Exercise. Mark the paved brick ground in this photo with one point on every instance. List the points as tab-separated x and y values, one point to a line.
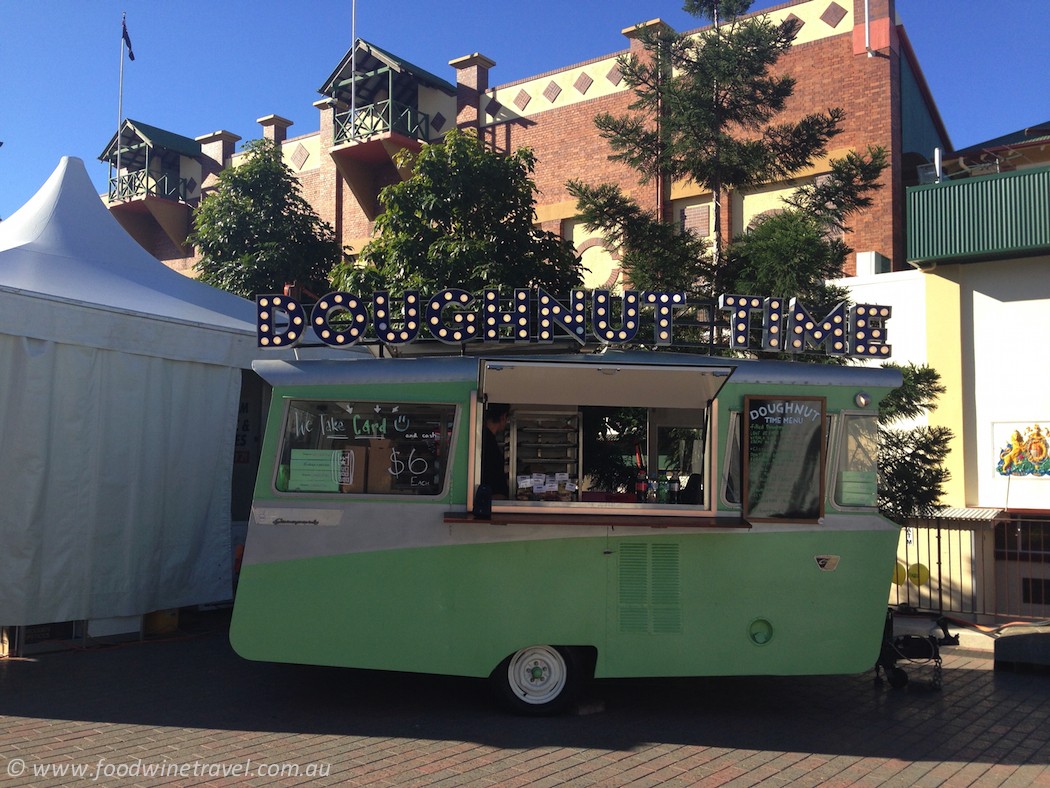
188	703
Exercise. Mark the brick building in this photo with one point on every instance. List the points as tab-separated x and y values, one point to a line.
851	54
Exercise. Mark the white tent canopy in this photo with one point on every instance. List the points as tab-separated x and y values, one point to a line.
118	405
63	247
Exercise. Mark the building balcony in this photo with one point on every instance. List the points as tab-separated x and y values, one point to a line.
140	184
383	117
144	203
366	145
983	218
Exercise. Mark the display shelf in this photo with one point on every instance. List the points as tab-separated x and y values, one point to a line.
545	444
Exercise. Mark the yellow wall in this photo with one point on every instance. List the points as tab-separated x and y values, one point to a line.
568	93
944	354
603	270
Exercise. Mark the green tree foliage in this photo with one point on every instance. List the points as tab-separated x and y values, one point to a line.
654	255
788	253
911	461
705	105
711	121
793	252
796	250
463	219
256	233
919	393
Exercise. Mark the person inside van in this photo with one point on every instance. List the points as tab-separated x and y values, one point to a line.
493	473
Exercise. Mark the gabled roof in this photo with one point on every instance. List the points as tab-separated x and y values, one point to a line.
1038	133
369	58
153	136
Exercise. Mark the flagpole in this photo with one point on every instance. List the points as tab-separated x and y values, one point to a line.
353	68
120	100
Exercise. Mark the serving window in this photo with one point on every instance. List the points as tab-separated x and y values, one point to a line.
600	435
347	447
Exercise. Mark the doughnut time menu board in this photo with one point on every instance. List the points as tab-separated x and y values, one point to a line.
784	440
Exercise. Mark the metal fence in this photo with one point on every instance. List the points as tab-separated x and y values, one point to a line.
381	118
988	571
142	183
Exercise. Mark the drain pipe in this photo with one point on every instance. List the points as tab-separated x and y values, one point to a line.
867	31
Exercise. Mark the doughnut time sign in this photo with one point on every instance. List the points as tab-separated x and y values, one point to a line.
457	317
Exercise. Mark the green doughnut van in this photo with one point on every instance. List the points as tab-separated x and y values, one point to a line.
668	515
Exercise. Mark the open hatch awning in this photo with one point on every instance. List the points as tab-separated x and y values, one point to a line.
608	384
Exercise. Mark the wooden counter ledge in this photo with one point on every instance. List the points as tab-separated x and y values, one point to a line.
603	520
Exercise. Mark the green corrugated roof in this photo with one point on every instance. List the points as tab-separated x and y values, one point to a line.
990	217
156	137
395	62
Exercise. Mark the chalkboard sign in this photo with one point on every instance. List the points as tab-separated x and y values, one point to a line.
784	458
372	448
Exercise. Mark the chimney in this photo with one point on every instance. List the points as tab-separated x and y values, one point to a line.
216	150
329	108
634	32
472	80
275	128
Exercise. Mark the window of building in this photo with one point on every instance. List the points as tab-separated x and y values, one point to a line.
1023	541
1035	590
696	218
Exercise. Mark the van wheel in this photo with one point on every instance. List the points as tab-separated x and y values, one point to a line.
538	680
898	678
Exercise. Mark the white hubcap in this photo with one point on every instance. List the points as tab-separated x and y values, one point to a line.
537	674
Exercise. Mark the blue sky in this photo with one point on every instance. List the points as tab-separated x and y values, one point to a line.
204	65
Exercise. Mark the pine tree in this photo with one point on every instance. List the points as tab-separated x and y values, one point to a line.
911	470
705	105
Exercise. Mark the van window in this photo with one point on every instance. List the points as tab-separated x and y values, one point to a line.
348	447
856	481
605	432
606	454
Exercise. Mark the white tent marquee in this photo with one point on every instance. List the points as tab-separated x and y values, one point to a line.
119	389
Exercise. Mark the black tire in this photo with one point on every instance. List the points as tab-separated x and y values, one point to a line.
898	678
539	680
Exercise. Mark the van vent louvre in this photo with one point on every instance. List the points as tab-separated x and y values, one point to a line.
650	590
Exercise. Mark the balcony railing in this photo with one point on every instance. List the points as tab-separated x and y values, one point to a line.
381	118
987	217
134	185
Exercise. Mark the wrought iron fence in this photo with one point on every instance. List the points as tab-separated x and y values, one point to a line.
142	183
986	571
381	118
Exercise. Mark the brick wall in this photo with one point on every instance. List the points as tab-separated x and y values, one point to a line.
830	72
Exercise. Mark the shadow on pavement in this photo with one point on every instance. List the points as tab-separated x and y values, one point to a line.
196	681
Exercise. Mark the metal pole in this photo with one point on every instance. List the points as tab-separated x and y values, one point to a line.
353	69
940	577
120	102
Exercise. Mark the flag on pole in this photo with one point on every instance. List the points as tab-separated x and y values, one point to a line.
127	39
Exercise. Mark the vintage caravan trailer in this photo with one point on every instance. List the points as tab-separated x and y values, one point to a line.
746	542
